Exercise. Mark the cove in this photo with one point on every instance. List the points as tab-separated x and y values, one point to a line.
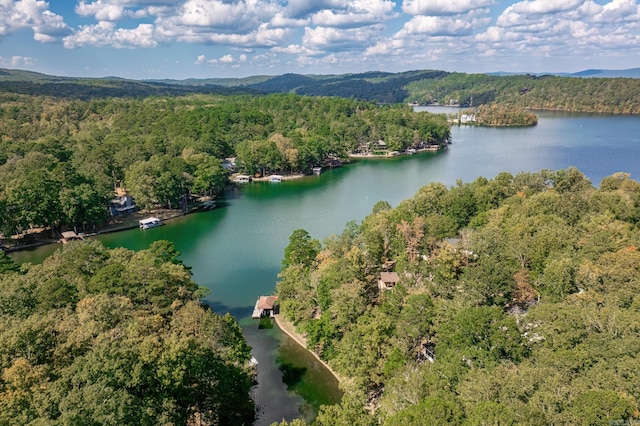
236	250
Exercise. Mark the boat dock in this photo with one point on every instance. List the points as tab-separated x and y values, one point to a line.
266	306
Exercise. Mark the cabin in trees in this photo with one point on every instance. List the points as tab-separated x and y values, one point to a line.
388	280
122	204
266	306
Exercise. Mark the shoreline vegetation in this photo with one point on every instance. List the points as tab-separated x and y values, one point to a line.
61	159
288	328
131	221
478	302
123	223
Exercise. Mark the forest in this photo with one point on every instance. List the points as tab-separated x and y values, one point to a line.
507	301
534	92
602	95
97	336
60	159
497	116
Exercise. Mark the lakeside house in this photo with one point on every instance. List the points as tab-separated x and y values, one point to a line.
122	204
229	164
388	280
266	306
468	118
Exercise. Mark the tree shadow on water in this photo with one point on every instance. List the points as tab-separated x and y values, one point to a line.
265	323
291	375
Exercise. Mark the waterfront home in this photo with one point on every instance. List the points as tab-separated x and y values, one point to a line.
150	222
388	280
468	118
122	204
229	164
266	306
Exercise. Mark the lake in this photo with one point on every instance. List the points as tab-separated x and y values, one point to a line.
236	250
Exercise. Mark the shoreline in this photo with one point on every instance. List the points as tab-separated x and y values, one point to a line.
288	328
434	148
128	222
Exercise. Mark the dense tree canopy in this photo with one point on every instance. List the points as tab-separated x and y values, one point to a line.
99	336
60	159
517	303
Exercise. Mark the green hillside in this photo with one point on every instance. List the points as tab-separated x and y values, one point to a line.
543	92
503	302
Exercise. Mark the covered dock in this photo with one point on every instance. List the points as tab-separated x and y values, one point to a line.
266	306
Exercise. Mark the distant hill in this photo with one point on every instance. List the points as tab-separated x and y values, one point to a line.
603	91
377	86
628	73
37	84
596	73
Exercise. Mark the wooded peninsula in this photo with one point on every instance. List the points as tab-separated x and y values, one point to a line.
496	302
60	159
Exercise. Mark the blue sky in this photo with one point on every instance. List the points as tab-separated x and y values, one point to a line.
145	39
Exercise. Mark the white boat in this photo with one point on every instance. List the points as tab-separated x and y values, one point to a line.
275	178
316	170
150	222
242	179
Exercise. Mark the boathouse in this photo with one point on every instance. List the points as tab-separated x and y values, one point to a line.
70	236
266	306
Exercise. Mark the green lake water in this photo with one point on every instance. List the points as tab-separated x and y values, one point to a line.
236	250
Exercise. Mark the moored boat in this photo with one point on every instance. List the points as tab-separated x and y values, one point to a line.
150	222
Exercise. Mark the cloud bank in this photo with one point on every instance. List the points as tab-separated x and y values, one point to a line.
371	33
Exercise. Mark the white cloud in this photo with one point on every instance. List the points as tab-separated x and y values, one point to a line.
443	7
303	8
540	7
279	20
333	39
210	14
357	13
616	11
114	10
16	61
97	35
35	15
141	36
263	36
101	11
277	34
106	34
387	47
442	26
227	59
